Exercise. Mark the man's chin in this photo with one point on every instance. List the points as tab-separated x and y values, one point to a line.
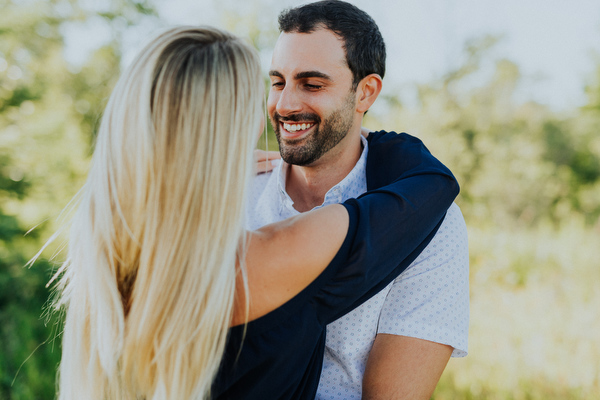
291	143
295	158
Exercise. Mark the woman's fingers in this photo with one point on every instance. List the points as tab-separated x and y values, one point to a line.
265	161
262	155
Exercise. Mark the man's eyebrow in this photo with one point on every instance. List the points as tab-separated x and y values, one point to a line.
312	74
303	75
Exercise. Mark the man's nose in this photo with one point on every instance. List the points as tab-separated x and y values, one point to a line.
288	102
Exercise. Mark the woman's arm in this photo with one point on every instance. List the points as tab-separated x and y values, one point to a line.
285	257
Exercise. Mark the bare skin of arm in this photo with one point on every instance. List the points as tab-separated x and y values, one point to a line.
285	257
403	368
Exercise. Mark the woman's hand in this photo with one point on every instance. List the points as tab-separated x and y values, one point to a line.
265	161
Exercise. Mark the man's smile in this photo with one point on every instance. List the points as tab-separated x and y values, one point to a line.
294	130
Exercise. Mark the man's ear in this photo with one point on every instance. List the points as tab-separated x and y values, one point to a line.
367	91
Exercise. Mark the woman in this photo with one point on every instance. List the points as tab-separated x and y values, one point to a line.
159	266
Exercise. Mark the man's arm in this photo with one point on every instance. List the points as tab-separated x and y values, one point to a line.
401	367
424	318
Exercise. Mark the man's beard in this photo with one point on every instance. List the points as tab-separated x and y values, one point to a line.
324	137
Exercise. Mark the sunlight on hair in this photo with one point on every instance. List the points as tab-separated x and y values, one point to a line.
148	285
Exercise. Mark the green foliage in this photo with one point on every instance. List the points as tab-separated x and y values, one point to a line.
22	295
12	183
28	356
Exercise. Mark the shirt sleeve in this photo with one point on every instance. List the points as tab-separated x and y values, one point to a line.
389	227
430	299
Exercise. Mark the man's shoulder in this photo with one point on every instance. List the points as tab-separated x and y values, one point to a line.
392	154
262	193
382	137
449	245
455	216
258	186
259	183
397	145
453	229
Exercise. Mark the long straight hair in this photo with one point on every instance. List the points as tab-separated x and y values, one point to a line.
148	285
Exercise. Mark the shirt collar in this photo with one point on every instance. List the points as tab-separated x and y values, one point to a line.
345	189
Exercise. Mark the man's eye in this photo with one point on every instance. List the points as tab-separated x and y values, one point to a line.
313	87
277	84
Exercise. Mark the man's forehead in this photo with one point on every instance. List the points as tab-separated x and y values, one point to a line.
320	50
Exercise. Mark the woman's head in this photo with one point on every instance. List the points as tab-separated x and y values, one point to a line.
150	276
184	114
176	137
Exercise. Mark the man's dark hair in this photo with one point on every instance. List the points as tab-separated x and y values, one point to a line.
363	43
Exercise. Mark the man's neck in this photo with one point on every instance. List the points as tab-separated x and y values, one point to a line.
308	185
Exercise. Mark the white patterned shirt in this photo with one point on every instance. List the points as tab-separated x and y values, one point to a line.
429	300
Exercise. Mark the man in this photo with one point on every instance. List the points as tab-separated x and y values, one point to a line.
326	72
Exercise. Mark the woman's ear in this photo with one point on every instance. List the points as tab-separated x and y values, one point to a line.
367	91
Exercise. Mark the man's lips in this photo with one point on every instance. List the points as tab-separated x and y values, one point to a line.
293	130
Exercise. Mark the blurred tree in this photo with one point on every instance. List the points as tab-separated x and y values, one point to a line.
518	164
587	124
49	110
592	90
22	294
572	153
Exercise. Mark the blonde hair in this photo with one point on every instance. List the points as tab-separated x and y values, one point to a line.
149	280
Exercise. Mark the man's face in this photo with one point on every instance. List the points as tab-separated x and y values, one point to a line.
311	102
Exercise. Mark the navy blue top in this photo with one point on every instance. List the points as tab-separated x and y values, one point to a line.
282	352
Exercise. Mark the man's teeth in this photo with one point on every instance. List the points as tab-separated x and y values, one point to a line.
296	127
